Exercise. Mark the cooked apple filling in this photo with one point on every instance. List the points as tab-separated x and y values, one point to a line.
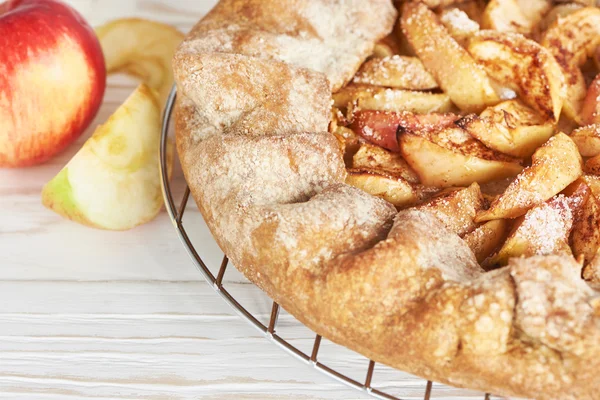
488	115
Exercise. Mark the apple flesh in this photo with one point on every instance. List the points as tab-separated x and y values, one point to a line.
52	79
141	48
113	182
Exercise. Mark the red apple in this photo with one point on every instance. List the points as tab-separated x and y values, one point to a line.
52	79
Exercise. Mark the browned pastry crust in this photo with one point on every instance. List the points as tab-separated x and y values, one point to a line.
254	80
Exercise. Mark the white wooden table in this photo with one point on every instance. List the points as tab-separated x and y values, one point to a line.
90	314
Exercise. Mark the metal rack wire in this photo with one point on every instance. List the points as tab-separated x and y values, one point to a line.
176	214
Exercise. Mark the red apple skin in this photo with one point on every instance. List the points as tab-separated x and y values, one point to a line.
381	127
52	79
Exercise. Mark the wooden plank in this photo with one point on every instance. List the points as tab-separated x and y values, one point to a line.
89	314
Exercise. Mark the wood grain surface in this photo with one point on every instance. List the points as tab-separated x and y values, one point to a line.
90	314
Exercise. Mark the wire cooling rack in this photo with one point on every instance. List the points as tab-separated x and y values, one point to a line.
268	330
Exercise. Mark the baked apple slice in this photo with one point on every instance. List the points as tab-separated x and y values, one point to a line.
571	40
587	139
544	230
385	99
534	10
522	65
510	128
387	47
487	238
399	72
558	11
585	237
592	165
458	24
591	272
113	181
596	58
349	142
505	16
451	157
393	189
590	111
473	9
453	68
457	209
554	166
369	156
380	127
382	99
337	119
141	48
593	182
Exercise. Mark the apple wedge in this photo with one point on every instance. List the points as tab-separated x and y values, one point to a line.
451	157
554	166
486	238
473	9
393	189
141	48
593	182
113	181
453	68
505	16
591	272
510	128
386	99
590	110
399	72
571	40
522	65
382	99
349	142
457	209
587	139
458	24
387	47
380	128
535	9
544	230
336	120
592	166
585	237
596	58
556	12
369	156
382	50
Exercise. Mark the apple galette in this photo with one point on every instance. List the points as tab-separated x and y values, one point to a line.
418	181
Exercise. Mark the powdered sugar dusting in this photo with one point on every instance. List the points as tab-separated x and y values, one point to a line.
299	166
546	228
439	248
238	94
554	303
458	23
395	71
329	37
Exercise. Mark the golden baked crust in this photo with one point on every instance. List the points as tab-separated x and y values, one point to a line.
254	81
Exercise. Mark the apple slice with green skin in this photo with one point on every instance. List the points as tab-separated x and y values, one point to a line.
113	181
